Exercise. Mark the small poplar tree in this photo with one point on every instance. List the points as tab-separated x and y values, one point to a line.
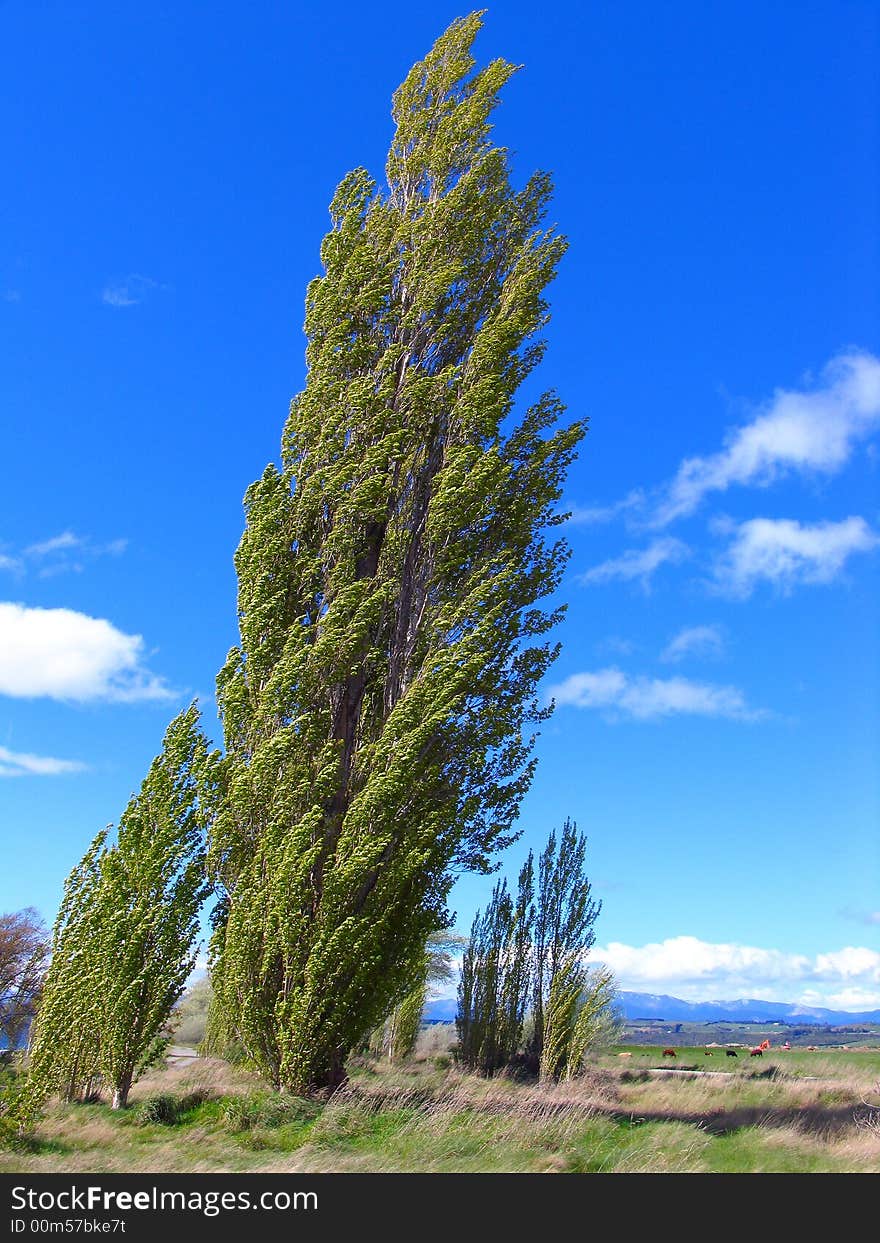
125	939
64	1047
565	916
379	710
528	960
495	978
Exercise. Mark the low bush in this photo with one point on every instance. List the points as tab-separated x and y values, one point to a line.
267	1111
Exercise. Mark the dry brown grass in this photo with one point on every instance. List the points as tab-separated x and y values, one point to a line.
429	1116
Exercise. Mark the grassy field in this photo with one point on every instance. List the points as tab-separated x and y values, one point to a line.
788	1112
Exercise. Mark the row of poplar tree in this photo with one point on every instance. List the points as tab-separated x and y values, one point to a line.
527	996
395	584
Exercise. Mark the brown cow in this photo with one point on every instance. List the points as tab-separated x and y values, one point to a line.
756	1052
669	1052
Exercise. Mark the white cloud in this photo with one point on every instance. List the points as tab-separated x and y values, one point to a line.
9	563
60	654
852	999
648	698
810	430
638	563
698	641
20	764
852	962
783	552
11	295
692	969
130	291
595	514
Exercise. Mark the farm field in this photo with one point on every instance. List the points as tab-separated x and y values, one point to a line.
789	1112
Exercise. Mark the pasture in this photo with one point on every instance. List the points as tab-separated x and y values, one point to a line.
787	1112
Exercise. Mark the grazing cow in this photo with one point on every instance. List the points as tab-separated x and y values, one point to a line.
669	1052
759	1052
624	1055
731	1052
708	1052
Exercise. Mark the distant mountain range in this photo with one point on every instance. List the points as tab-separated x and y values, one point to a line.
637	1006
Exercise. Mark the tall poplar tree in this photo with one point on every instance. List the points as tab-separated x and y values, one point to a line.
380	707
125	937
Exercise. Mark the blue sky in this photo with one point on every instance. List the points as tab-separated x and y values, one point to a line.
166	177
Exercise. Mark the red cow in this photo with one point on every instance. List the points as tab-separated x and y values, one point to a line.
759	1052
669	1052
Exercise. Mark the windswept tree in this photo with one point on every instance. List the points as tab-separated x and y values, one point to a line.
495	979
65	1045
526	967
380	708
125	938
565	917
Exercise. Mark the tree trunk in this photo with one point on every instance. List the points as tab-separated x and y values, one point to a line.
121	1091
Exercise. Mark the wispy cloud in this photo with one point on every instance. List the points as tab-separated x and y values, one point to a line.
61	654
687	967
593	515
614	645
21	764
785	553
704	642
809	430
61	554
644	699
638	564
130	291
11	295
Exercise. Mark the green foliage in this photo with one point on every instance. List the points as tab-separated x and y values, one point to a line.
525	970
379	710
394	1039
166	1109
494	985
123	943
163	1109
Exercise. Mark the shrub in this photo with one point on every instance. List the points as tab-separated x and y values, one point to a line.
246	1113
167	1109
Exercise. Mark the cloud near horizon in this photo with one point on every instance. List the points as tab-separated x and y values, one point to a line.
61	654
645	699
696	970
811	430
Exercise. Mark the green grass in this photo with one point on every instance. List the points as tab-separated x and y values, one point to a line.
786	1113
